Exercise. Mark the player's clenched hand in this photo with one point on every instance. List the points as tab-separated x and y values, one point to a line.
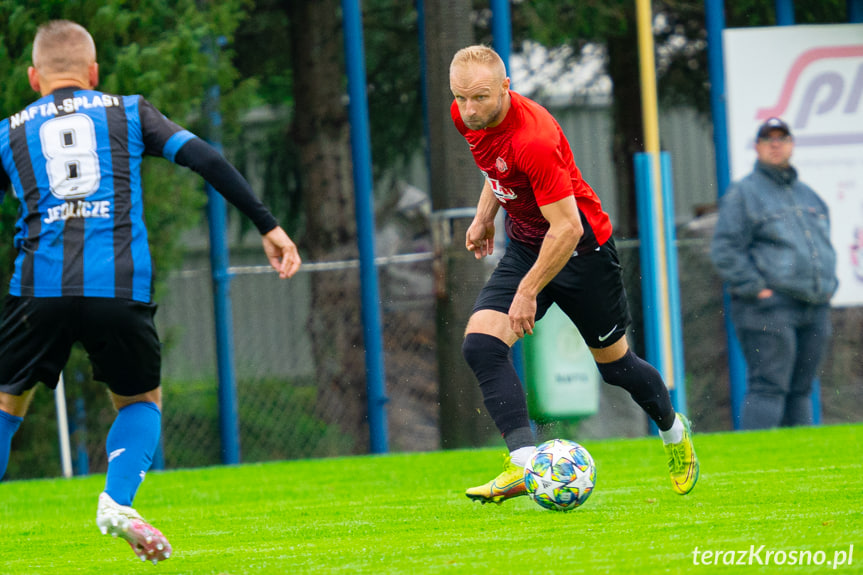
479	238
282	252
522	314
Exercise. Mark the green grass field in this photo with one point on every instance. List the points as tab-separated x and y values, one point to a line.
796	492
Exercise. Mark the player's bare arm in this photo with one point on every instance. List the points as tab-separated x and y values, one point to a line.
479	238
560	241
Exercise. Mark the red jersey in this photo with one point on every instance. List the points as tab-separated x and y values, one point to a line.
528	163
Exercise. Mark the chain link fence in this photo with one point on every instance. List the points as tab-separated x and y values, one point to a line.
300	367
285	411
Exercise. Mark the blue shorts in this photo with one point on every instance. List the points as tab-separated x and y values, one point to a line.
119	335
589	290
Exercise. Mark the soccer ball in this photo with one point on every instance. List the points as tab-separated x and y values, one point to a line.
560	475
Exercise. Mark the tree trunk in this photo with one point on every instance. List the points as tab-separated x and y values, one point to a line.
623	66
321	131
455	183
628	122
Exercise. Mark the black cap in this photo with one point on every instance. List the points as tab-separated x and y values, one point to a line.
772	124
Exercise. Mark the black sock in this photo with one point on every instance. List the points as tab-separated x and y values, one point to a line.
644	384
502	393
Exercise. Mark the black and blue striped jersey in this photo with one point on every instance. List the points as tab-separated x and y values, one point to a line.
73	159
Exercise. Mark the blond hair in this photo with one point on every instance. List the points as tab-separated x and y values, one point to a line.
62	46
479	55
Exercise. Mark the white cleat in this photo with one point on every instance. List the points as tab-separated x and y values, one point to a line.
146	541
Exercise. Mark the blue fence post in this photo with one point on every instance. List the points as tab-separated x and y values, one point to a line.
217	217
82	459
362	168
229	426
649	255
647	250
784	12
501	30
678	392
715	17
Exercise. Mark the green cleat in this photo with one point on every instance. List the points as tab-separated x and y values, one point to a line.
510	483
682	461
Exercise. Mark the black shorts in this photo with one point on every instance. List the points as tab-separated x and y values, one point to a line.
589	290
37	334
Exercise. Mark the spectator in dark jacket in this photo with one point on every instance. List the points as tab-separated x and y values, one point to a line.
772	248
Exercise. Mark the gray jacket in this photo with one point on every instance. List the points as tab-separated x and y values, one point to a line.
774	232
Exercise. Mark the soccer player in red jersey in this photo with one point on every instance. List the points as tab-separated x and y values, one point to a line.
560	251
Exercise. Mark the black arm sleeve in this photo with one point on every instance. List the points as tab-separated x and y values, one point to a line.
205	160
4	182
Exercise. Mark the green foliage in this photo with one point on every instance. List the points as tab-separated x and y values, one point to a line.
679	28
394	84
558	22
173	198
191	411
263	429
791	489
35	448
263	56
263	51
190	420
153	48
8	216
741	13
157	49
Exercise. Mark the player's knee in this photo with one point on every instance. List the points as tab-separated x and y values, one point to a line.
482	351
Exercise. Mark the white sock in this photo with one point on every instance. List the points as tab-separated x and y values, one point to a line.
673	435
521	455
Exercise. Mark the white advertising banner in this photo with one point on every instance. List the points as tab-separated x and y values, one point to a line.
811	77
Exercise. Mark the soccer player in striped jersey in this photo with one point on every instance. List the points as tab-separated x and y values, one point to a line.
83	271
560	252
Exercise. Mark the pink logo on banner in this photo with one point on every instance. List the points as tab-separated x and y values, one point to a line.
835	97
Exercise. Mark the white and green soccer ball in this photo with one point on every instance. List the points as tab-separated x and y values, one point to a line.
560	475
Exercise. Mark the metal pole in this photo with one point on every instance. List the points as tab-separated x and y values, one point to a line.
362	169
82	459
784	12
501	30
650	111
217	216
678	392
63	427
649	256
855	11
715	17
